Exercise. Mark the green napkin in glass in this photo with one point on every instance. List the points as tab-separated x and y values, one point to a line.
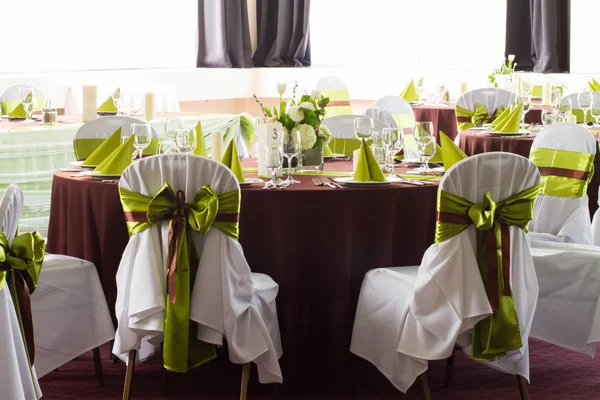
594	85
109	104
200	149
512	123
104	151
501	118
118	160
409	93
327	151
232	160
450	151
367	168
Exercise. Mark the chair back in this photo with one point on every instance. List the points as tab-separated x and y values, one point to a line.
11	206
338	93
400	109
490	98
562	213
576	109
382	115
342	130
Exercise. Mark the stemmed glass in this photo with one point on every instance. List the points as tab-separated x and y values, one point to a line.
363	127
171	126
440	93
273	161
378	149
389	136
291	148
185	140
419	89
526	108
397	143
585	102
564	109
595	110
118	98
142	137
28	100
556	99
423	134
548	117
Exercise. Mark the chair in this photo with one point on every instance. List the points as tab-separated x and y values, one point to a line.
226	300
342	130
576	110
339	96
17	379
564	154
91	134
11	98
400	109
70	313
381	115
492	99
408	315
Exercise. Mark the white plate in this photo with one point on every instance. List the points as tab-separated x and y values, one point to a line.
80	164
349	180
97	175
506	133
251	181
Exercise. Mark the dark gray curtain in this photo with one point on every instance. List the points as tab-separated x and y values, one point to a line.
538	34
223	34
283	34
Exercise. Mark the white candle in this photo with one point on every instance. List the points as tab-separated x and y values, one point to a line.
216	150
547	94
355	155
90	105
149	106
572	118
463	87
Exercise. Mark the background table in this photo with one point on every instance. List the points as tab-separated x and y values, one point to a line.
31	152
317	243
476	142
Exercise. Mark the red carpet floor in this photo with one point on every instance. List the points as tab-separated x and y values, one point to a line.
555	373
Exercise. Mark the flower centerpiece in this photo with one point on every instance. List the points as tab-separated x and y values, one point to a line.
506	69
306	116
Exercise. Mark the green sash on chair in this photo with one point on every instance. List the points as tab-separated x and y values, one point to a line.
182	351
339	102
467	119
563	173
499	333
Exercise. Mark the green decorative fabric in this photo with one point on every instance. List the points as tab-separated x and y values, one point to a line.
103	151
467	119
451	153
512	122
109	104
344	146
594	85
339	102
15	109
409	93
118	160
499	333
84	147
537	90
327	151
181	350
563	173
501	118
367	168
232	160
578	113
201	149
404	120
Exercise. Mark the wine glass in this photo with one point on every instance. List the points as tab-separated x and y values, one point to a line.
28	100
273	161
423	134
291	148
185	140
584	99
419	89
526	88
440	88
171	126
548	117
387	136
118	98
595	110
363	127
142	137
564	109
556	99
396	147
526	108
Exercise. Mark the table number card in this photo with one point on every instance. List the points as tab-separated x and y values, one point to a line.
267	134
90	106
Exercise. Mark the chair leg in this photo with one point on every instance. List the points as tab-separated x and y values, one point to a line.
98	366
425	383
449	371
245	379
129	375
523	387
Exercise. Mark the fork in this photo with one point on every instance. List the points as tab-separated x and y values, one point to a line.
317	182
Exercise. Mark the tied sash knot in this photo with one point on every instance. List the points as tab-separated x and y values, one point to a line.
467	119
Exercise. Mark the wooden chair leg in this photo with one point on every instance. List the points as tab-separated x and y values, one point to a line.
449	374
245	379
129	375
523	387
98	366
425	383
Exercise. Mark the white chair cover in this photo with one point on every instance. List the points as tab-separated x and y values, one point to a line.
227	299
400	109
568	308
406	316
381	115
101	128
491	98
17	380
575	100
342	126
563	219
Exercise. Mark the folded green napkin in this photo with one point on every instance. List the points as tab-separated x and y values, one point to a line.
104	151
367	168
200	149
501	118
15	109
118	160
409	93
438	157
109	104
594	85
512	124
450	151
232	160
327	151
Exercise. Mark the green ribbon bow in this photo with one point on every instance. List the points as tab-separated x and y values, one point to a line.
563	173
20	266
499	333
182	351
467	119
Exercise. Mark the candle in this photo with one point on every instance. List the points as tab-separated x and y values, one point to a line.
572	118
149	106
463	87
216	150
90	105
355	155
547	94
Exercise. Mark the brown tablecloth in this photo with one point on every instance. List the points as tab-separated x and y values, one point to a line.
444	117
472	142
317	243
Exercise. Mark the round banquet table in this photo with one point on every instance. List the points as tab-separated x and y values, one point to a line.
476	142
317	243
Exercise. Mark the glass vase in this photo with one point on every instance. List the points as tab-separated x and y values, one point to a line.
312	159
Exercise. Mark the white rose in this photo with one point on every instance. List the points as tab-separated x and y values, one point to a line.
281	86
511	57
295	113
315	95
307	105
308	137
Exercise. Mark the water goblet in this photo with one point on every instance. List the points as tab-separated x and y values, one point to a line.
363	127
28	100
273	161
584	99
291	148
142	137
185	140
